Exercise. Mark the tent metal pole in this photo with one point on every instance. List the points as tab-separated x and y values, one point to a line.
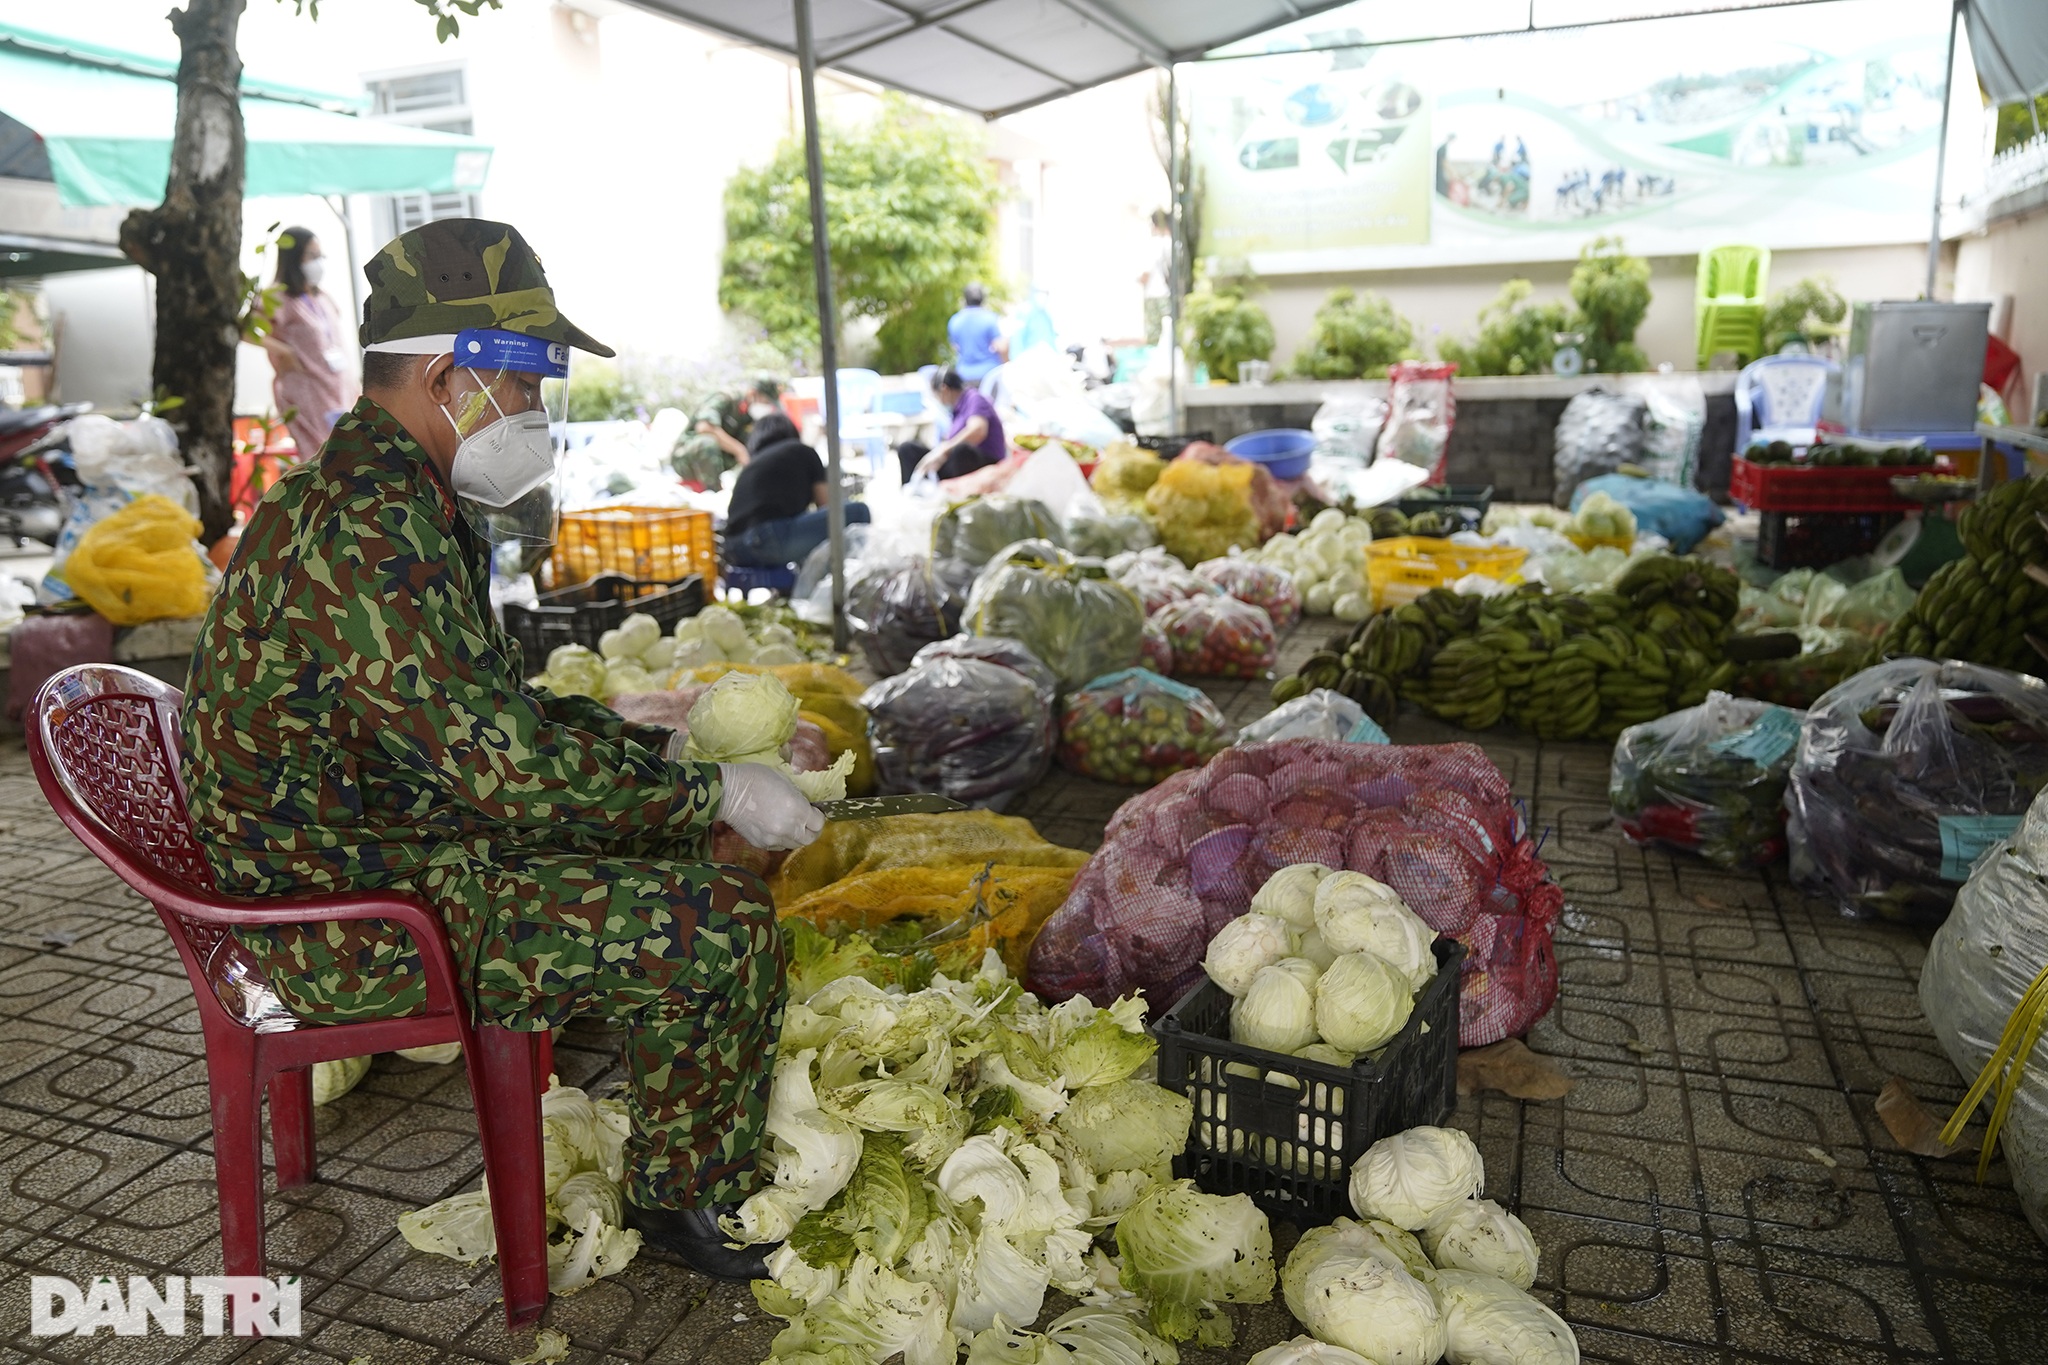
1955	17
1171	338
338	205
828	340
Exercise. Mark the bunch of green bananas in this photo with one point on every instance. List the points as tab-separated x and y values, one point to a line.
1563	666
1991	606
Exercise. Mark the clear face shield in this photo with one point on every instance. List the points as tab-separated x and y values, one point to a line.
509	410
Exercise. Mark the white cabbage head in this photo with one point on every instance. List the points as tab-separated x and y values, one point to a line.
1277	1012
1480	1235
1315	948
1371	1304
1362	1001
1488	1321
1244	946
1290	894
1411	1177
1307	1351
1356	914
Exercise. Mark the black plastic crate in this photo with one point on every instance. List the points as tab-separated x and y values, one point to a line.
1810	540
579	614
1463	502
1167	447
1291	1148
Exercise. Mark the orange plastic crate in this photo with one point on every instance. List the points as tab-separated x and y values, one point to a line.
661	544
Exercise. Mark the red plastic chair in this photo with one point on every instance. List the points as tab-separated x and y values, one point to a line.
104	742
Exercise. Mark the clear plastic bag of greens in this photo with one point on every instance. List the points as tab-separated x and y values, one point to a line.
976	531
1905	773
1092	530
1138	728
1065	610
966	728
1869	608
1709	780
1158	578
1979	966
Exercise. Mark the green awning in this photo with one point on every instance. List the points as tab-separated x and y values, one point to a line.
104	120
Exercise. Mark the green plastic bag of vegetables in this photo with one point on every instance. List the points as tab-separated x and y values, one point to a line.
979	529
1065	610
1709	779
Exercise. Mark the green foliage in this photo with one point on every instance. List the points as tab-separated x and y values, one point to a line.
910	208
596	393
1809	311
1612	290
2017	124
11	304
1225	329
1355	336
443	12
1515	336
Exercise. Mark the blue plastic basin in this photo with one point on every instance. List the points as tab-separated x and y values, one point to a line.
1284	451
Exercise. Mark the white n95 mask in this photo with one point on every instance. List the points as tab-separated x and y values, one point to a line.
503	477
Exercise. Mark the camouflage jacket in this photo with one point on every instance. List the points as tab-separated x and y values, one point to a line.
355	714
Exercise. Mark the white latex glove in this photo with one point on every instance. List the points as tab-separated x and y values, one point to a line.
765	808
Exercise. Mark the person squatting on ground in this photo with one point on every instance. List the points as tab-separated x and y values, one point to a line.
356	718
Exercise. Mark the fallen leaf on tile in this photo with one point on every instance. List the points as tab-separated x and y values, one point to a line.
59	938
1641	1048
1822	1157
549	1348
1912	1125
1707	902
1511	1068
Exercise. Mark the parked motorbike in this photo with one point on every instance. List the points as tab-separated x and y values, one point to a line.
36	473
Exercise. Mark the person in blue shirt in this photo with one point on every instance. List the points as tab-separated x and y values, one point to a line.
974	441
977	336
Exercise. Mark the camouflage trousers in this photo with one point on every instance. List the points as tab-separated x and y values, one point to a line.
685	955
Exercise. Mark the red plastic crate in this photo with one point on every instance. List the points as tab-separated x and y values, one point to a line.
1804	488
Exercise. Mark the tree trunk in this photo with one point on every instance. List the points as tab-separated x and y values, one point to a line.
192	244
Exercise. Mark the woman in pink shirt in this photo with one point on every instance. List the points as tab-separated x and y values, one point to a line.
308	345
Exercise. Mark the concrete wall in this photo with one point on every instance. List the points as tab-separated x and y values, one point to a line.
2010	257
1447	302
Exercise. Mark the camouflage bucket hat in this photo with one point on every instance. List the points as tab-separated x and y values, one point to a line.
456	273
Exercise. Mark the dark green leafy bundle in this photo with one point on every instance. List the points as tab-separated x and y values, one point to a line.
1515	336
1612	290
1355	337
1225	329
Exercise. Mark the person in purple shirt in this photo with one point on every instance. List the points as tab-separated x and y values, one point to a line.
973	441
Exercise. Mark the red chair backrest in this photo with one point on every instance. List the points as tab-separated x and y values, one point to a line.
105	743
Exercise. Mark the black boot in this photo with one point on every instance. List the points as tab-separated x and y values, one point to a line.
693	1237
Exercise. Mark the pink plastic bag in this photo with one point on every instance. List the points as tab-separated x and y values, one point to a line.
1435	822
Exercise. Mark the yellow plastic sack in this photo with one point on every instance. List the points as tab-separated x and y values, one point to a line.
1202	510
986	880
827	696
140	564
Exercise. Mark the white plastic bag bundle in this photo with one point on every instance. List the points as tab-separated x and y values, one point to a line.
1319	714
1980	963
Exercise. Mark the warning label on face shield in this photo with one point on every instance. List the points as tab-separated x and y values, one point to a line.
488	348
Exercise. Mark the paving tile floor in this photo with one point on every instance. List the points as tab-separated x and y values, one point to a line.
1717	1187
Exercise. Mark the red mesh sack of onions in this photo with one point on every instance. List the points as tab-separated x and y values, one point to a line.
1262	585
1218	637
1434	822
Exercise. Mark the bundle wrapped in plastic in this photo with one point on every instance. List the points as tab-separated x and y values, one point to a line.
1218	637
1156	654
1709	779
1158	578
1434	822
1979	968
993	649
1067	611
1318	714
1205	510
1095	531
965	728
976	531
1123	475
975	880
1826	657
1265	587
1137	728
1904	774
897	607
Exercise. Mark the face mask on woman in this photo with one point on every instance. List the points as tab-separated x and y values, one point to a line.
314	270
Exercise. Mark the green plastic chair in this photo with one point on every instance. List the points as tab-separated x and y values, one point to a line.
1728	301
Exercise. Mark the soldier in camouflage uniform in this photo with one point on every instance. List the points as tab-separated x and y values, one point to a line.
356	718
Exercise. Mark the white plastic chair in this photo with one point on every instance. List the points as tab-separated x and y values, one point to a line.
1779	398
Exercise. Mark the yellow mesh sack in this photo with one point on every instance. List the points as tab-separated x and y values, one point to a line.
140	564
977	908
985	881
